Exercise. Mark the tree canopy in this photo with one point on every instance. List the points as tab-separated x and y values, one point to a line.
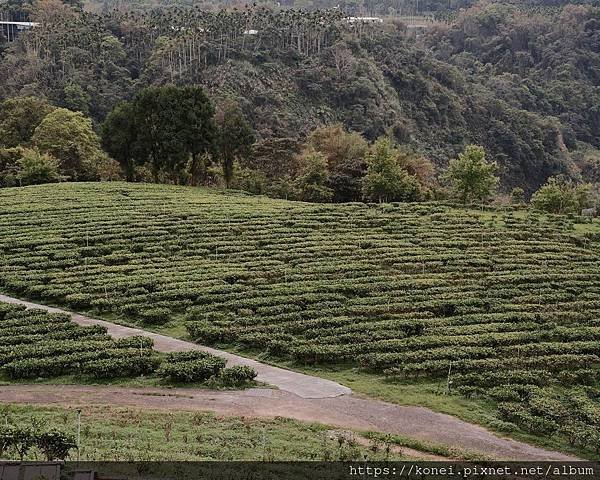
386	180
518	78
69	137
165	127
235	138
19	117
472	177
559	195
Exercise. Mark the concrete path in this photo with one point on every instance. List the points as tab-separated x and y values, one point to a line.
347	411
299	384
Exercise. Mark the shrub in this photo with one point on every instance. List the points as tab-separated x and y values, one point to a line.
179	357
155	316
36	168
561	196
203	332
249	180
505	393
54	444
517	196
188	371
122	367
79	300
18	439
238	375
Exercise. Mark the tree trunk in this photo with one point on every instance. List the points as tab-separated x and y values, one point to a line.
228	170
129	171
197	170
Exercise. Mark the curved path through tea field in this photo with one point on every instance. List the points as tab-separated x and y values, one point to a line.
300	396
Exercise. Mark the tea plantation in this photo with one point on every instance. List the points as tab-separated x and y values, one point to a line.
34	343
508	301
37	344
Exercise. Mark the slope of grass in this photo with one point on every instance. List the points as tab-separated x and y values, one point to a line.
130	434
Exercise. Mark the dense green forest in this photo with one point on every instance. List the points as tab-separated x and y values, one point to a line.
522	82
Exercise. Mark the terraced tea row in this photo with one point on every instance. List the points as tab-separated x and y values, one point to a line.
409	289
35	343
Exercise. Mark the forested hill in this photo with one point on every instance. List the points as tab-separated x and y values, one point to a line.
522	83
354	7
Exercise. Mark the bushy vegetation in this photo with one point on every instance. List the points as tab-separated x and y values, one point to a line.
559	195
118	434
520	83
40	143
238	375
191	366
473	178
20	441
35	343
499	298
197	366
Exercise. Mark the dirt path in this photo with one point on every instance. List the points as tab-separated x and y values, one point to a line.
345	412
299	396
302	385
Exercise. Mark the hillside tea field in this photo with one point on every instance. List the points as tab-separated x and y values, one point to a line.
35	343
510	301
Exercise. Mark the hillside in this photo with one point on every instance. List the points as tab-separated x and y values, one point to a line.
381	7
505	302
524	84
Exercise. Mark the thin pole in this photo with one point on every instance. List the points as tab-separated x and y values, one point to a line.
78	432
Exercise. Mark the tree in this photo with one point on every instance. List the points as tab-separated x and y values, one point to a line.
168	126
416	165
471	176
311	185
517	196
77	4
386	180
9	166
69	137
559	195
76	98
3	42
158	138
235	138
346	154
19	117
55	445
119	137
249	180
36	168
197	128
276	157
